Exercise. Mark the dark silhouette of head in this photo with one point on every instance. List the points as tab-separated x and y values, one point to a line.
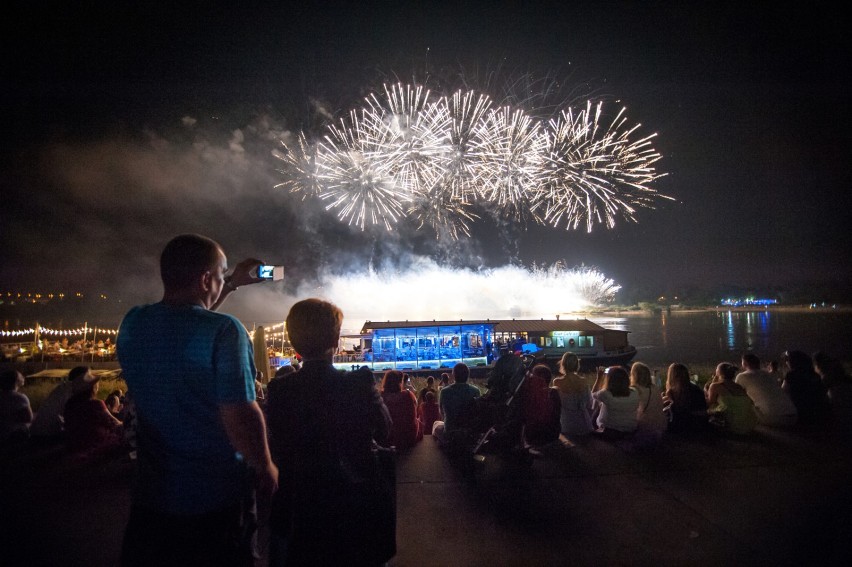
185	258
392	381
461	373
313	326
618	381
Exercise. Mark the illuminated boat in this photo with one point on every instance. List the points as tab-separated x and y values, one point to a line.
436	346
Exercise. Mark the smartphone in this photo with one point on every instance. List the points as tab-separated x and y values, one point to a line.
273	273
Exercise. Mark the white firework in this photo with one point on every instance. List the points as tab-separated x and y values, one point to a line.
509	146
355	178
405	153
592	174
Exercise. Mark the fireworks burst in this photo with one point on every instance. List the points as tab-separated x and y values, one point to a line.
407	152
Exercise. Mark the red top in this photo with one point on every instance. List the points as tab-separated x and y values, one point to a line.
541	409
428	415
405	430
89	424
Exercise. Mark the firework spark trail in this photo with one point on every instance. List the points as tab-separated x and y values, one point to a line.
594	174
433	159
300	168
355	176
467	110
510	146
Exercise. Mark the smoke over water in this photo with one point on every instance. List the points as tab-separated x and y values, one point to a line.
425	291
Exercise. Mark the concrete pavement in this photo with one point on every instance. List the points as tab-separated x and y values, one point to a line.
779	498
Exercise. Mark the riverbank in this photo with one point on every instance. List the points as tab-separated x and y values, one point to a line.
630	312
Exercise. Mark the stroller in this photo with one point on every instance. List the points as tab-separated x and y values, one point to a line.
518	408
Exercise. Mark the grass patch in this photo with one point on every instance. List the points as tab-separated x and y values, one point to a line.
37	389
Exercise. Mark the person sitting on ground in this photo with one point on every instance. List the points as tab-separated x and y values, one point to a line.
542	407
838	385
47	425
90	427
402	405
445	381
428	412
729	406
15	411
575	398
407	385
456	403
650	417
805	389
773	406
430	386
283	371
113	404
617	402
684	402
773	368
332	507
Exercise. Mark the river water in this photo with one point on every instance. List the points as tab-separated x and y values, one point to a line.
715	336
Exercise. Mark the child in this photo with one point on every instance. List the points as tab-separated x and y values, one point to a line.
428	412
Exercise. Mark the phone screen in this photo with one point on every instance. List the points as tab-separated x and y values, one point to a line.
265	272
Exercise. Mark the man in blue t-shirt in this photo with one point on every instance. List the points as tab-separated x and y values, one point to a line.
190	375
456	403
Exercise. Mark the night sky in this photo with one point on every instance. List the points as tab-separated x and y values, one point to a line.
127	125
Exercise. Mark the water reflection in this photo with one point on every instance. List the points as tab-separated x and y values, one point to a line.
732	337
714	336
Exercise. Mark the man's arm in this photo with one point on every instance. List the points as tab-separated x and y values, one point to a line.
246	429
242	275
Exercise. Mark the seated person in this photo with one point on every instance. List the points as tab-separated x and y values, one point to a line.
457	406
283	371
838	385
805	388
617	401
15	411
430	386
47	425
114	405
651	419
542	407
402	405
428	412
684	402
729	406
90	427
575	397
772	405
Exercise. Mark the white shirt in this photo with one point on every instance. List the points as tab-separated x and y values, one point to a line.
617	413
767	395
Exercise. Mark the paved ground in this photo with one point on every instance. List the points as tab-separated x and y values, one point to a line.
776	498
